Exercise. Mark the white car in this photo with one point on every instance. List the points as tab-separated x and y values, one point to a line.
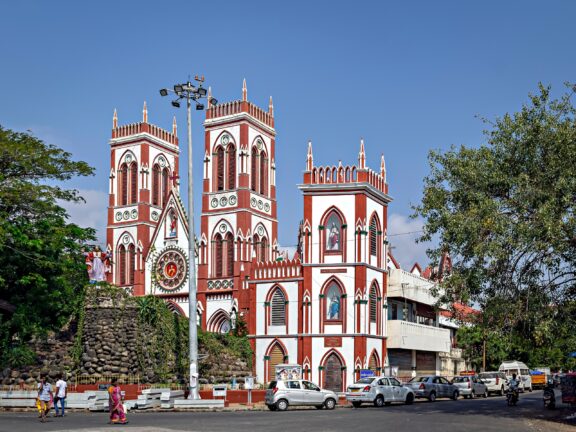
380	391
495	381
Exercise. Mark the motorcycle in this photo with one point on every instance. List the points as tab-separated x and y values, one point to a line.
511	396
548	396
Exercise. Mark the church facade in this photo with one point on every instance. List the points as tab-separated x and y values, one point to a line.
325	308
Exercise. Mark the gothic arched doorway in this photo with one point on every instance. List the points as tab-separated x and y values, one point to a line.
333	373
276	357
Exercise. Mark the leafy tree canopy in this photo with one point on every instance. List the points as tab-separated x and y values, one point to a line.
42	270
505	211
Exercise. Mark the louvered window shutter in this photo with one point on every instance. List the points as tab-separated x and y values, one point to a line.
278	309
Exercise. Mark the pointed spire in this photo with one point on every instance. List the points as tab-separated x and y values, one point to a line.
271	107
362	155
383	167
115	120
144	114
244	91
310	158
174	126
209	97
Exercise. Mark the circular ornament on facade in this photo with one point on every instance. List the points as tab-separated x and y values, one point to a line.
260	204
260	230
128	158
126	215
134	214
259	144
253	202
223	228
267	207
126	239
225	139
223	201
162	162
232	200
119	216
171	268
154	216
214	202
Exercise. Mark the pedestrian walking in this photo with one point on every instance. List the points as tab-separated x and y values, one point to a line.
115	402
44	398
61	394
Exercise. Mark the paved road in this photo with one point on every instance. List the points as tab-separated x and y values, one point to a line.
487	415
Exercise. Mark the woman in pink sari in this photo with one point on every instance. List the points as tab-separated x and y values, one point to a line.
117	414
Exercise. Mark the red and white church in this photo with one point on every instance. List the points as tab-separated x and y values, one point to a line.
324	308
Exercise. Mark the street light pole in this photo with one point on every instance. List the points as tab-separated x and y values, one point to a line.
191	93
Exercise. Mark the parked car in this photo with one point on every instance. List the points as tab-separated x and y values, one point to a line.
495	381
470	386
380	391
432	387
282	394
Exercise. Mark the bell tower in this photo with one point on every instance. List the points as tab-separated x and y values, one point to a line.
239	223
143	171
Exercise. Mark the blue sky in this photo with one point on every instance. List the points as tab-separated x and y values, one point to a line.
407	76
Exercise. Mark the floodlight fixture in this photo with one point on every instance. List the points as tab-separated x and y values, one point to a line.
213	101
201	91
164	92
176	104
199	107
178	88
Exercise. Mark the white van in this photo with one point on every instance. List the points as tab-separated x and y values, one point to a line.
522	373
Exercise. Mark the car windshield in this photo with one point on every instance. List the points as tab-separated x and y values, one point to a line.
272	384
419	379
460	379
365	381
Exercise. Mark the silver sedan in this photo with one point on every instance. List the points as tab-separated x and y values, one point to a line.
432	387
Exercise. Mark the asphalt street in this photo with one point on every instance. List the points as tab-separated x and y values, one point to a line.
490	414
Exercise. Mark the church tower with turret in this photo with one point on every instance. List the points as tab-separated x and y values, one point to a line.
239	223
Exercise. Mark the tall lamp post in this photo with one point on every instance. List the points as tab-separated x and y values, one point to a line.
191	93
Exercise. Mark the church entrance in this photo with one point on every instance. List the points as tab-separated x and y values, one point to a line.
333	373
276	358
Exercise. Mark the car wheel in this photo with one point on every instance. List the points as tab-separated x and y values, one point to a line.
455	395
485	394
409	399
356	404
379	401
272	407
432	397
330	404
282	405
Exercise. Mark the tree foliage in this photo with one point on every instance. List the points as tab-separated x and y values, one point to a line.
42	271
505	211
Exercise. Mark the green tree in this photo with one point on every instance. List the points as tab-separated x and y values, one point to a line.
41	266
506	212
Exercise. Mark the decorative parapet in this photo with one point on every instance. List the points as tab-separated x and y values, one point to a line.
289	269
140	128
238	107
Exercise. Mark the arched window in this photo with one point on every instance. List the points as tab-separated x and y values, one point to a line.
333	233
156	194
254	169
256	246
218	256
122	264
123	184
133	183
373	300
165	186
276	355
333	299
373	363
229	255
374	227
263	249
219	168
263	174
231	167
278	308
131	263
